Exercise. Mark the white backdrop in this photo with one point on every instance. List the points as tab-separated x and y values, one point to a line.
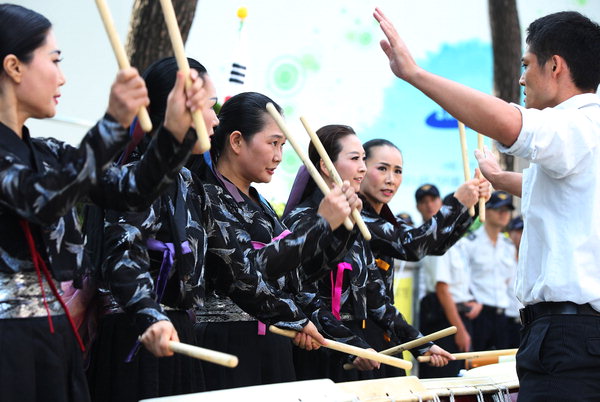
320	59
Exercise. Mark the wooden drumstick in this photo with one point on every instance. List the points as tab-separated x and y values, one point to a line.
334	175
351	350
122	60
413	344
208	355
481	199
184	67
420	341
484	361
312	170
465	158
473	355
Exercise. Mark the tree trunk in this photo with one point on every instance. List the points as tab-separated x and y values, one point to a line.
148	39
506	43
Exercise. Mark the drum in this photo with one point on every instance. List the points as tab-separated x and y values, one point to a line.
494	382
311	390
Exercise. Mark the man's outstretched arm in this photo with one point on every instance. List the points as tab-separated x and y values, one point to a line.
483	113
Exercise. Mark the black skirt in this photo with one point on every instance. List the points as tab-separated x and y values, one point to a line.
311	365
37	365
375	336
263	359
112	379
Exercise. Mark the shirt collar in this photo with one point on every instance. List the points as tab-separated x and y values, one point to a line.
580	101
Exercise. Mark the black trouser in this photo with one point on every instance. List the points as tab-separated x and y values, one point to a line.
433	319
490	329
559	359
513	332
374	336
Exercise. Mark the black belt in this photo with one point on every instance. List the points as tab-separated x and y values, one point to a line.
493	309
534	311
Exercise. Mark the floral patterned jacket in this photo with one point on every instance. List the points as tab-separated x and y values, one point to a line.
361	286
253	226
392	238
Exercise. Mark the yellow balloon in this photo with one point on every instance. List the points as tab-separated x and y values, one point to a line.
242	12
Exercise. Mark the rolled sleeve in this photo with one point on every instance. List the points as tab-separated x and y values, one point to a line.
558	139
522	146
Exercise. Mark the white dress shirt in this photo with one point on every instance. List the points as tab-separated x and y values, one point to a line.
514	305
559	258
429	268
453	269
491	267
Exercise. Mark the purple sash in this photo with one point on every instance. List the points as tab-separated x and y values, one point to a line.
257	245
168	250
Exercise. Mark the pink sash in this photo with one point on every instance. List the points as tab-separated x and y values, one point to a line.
336	288
257	245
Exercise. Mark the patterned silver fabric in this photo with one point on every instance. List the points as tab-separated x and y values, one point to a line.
363	290
221	309
43	179
131	271
393	238
235	271
21	296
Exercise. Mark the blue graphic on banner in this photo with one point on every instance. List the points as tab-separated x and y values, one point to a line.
427	135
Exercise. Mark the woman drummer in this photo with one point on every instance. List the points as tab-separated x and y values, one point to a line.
152	270
350	288
247	148
394	239
42	180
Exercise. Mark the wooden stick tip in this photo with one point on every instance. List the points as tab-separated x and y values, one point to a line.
233	362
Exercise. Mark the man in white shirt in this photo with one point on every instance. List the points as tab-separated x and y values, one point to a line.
558	278
429	203
447	298
491	260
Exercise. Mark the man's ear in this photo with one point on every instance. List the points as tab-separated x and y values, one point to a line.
235	142
13	67
559	66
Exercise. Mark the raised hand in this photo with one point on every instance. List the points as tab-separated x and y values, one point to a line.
401	61
180	102
127	95
335	206
468	193
485	188
353	199
488	164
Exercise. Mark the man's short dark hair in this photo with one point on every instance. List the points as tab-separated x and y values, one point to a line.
573	37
